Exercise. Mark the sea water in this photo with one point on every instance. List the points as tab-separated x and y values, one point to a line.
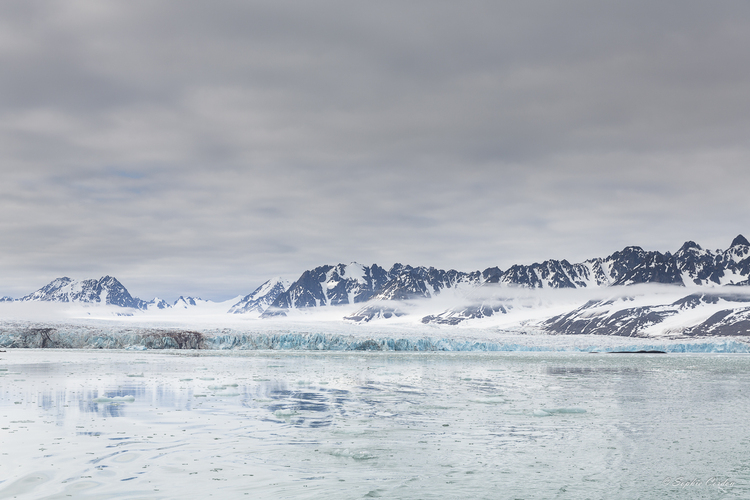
267	424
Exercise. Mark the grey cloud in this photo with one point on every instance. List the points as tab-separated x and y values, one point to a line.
207	146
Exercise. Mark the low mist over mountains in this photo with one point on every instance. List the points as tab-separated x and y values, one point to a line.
375	293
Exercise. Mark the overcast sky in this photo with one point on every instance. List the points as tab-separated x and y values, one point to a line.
202	147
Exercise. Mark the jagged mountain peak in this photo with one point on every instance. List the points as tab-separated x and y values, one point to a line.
60	281
353	283
105	290
632	249
739	240
157	303
405	285
331	285
184	302
262	297
689	245
492	274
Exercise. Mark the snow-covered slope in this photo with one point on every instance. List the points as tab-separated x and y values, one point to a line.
330	286
106	290
157	304
703	313
261	298
189	302
698	292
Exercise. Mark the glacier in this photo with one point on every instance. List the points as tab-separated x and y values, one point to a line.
320	338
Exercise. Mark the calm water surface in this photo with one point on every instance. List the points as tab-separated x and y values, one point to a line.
109	424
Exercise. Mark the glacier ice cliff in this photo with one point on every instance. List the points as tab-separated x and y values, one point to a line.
69	336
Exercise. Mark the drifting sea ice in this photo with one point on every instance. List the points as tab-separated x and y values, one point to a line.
362	425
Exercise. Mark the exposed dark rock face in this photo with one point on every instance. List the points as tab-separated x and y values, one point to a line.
730	322
352	284
374	311
405	286
694	300
740	241
655	268
158	303
332	285
609	317
621	263
548	274
185	302
492	275
625	322
456	316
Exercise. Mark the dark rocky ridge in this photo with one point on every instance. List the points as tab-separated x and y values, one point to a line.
326	285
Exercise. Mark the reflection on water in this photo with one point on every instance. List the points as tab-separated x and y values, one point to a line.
393	425
589	370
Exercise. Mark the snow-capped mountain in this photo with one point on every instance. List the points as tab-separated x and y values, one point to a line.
106	290
188	302
157	304
332	285
690	266
706	294
457	315
261	298
354	283
409	283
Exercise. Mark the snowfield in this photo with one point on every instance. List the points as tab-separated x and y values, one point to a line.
533	320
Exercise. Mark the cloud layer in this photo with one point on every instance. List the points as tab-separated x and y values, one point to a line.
200	148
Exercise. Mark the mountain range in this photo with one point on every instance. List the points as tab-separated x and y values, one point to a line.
378	293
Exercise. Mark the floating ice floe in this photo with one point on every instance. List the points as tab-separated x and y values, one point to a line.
115	399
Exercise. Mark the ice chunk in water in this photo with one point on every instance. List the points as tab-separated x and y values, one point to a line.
284	413
541	413
564	410
358	455
116	399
